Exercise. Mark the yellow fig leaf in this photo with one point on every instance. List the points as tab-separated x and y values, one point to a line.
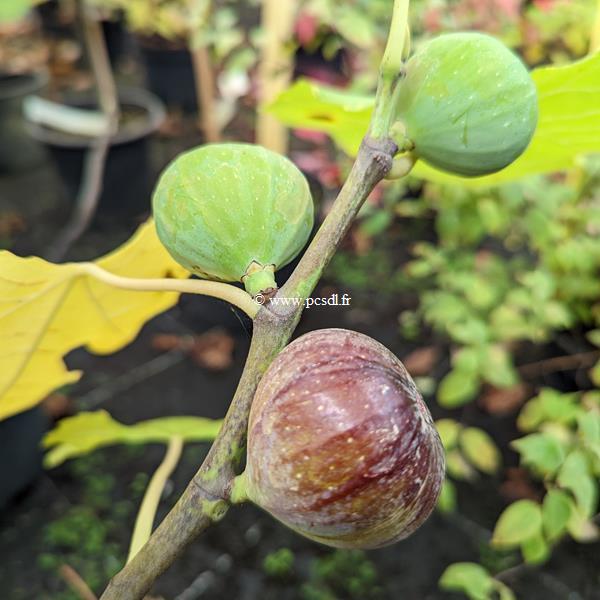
342	114
74	436
47	310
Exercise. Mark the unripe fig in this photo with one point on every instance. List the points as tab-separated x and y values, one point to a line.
341	446
468	104
233	212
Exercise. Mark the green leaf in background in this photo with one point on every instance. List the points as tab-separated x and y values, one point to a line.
541	451
457	388
458	467
343	115
548	405
497	367
448	430
447	500
353	25
556	512
588	426
480	450
535	550
470	331
582	528
520	521
569	121
575	476
504	592
376	223
470	578
595	374
87	431
467	359
594	337
14	10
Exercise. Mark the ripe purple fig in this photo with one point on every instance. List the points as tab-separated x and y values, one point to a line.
341	446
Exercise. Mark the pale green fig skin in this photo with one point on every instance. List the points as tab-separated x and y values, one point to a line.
219	208
468	104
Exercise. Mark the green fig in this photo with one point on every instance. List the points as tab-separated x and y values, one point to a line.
467	103
233	212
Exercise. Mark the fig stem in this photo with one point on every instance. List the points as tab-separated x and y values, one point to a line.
215	289
215	482
259	280
239	491
390	72
397	40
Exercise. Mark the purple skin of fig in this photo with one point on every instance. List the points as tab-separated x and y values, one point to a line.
341	446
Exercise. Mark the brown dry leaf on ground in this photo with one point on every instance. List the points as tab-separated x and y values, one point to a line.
165	342
214	350
173	126
58	405
420	362
211	350
22	49
518	486
502	401
11	223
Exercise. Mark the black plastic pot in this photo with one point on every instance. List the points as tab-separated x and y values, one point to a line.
169	72
128	177
54	19
20	438
18	151
116	39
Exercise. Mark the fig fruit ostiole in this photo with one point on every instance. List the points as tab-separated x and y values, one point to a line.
233	212
341	446
468	104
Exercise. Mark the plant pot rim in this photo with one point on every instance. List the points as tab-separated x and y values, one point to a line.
15	85
155	115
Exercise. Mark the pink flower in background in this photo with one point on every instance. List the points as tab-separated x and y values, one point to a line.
432	19
545	5
485	15
319	163
510	8
306	28
317	137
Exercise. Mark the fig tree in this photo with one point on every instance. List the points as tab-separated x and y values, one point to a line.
341	446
